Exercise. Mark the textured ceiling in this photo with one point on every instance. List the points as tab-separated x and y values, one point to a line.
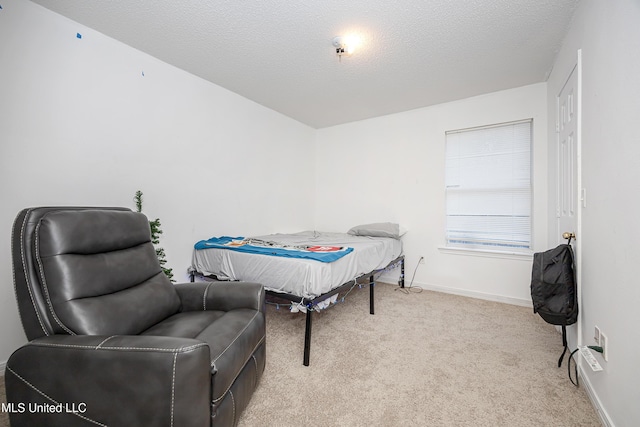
279	53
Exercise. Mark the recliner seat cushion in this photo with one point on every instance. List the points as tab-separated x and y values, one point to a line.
233	336
99	273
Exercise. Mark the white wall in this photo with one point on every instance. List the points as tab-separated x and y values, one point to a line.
609	36
391	168
81	125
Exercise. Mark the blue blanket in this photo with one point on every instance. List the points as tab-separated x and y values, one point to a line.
224	242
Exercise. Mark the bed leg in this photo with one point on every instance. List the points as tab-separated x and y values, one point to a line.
307	336
401	279
371	294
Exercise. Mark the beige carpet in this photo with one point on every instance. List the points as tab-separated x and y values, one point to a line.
424	359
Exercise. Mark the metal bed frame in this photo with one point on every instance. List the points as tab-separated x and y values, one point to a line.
309	303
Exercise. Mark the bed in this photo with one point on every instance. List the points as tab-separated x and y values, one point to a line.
309	269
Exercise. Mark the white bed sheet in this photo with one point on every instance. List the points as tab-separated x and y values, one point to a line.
301	277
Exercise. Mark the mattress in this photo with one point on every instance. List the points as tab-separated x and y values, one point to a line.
302	277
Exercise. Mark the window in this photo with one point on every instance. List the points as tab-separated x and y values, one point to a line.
488	187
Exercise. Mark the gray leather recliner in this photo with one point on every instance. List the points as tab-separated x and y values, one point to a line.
112	342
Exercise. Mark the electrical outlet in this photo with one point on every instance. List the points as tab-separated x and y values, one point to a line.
421	261
596	335
604	342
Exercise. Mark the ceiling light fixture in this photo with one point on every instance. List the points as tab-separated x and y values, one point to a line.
345	45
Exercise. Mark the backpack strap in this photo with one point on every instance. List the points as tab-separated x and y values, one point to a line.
564	343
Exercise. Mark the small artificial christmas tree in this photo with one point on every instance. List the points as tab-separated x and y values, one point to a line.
155	237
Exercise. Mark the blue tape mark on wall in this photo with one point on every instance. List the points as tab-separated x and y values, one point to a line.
78	35
143	74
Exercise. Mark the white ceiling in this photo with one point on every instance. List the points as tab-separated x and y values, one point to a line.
279	53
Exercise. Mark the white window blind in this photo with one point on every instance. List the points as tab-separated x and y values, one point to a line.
488	187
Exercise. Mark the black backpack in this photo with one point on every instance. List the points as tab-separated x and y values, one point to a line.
553	288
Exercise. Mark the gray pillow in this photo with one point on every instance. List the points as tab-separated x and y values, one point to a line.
379	229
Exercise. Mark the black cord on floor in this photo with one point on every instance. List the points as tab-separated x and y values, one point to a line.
577	382
409	289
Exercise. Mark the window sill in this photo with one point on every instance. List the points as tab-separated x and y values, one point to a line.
524	256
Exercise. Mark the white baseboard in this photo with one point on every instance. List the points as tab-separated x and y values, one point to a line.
476	294
595	401
392	277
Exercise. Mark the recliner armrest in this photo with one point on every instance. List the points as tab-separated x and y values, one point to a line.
223	296
118	380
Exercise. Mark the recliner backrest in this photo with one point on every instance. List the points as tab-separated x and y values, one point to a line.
89	271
